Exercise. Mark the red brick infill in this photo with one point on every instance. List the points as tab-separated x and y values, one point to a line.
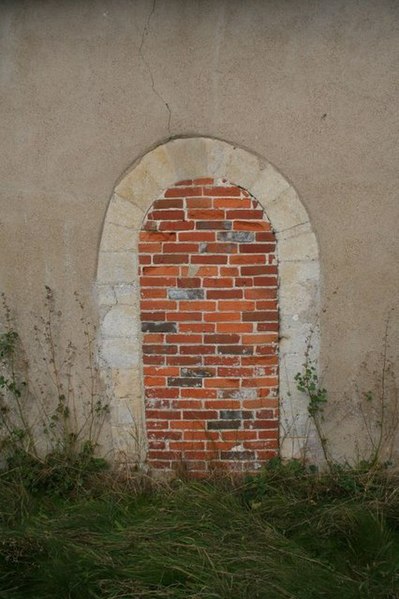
208	276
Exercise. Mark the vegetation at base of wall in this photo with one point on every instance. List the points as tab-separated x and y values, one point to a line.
285	533
70	529
379	410
50	422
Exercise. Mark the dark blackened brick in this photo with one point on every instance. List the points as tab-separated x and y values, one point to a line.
158	327
159	349
213	224
235	414
215	425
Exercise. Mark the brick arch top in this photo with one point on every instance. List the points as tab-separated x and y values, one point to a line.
117	287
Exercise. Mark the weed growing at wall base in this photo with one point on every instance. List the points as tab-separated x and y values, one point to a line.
49	425
379	410
308	383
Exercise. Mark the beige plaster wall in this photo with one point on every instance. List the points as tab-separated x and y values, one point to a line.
311	86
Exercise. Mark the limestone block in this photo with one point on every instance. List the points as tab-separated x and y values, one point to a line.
286	211
117	238
268	186
120	352
242	168
294	415
296	339
293	448
132	436
105	294
124	213
302	310
127	411
161	167
189	158
139	188
294	334
297	244
120	321
117	267
294	418
289	395
124	442
123	294
292	363
121	413
218	153
128	294
126	383
299	287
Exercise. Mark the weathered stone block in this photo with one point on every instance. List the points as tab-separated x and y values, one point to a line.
185	294
117	267
236	236
120	321
184	382
120	352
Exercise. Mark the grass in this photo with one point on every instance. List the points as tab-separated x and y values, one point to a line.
286	533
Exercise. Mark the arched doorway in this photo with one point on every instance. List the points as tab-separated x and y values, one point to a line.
118	285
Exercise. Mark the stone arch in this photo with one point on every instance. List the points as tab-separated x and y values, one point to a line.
117	288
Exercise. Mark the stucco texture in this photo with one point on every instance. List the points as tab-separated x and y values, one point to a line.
311	86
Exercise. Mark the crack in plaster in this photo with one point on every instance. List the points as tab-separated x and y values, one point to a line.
216	71
305	222
148	67
111	222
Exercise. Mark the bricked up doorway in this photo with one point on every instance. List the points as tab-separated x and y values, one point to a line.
209	314
118	289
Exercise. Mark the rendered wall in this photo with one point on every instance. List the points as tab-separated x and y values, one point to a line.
88	88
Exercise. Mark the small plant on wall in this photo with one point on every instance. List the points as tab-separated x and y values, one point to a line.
50	421
308	382
377	409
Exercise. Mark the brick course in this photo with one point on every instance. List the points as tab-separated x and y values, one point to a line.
209	317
